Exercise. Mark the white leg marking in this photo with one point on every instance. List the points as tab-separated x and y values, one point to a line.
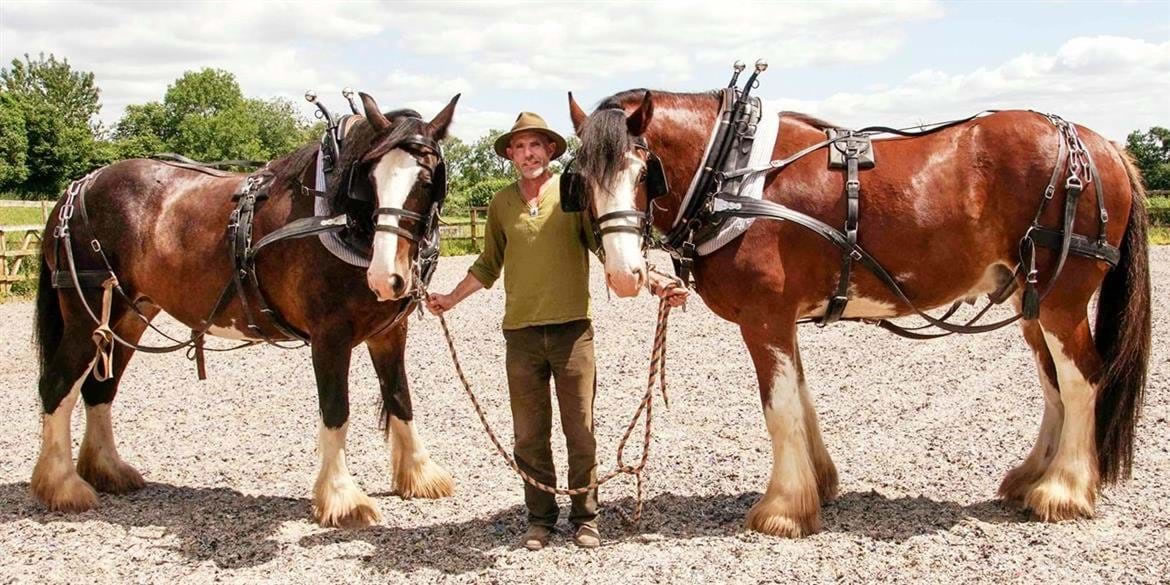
791	505
337	500
415	475
99	462
54	481
1020	480
1068	487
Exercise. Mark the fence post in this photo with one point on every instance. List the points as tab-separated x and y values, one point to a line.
474	239
44	211
5	287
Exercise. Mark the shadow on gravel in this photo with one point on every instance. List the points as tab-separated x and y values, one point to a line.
221	525
235	530
879	517
470	546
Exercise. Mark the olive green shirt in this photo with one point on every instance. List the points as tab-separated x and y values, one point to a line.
544	258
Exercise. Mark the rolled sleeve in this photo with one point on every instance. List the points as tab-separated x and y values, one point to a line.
486	269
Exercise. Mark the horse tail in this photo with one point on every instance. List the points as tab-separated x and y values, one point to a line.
50	324
1122	338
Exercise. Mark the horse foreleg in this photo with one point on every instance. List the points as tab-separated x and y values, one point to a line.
1068	487
1020	480
98	461
414	474
791	505
337	499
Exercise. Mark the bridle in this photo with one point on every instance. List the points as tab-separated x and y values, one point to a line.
575	198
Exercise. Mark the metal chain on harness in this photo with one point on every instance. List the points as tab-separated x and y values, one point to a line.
657	369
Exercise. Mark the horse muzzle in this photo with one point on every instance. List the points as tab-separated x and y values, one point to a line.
391	287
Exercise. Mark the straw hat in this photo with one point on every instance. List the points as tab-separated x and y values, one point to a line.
529	122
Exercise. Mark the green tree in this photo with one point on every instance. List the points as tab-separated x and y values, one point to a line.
55	105
205	116
1151	152
13	143
73	93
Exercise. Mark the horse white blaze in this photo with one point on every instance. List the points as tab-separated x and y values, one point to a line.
394	178
625	269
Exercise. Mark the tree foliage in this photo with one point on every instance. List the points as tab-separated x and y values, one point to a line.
477	172
46	124
204	115
1151	152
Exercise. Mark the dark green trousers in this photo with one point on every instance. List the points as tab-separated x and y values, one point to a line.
563	352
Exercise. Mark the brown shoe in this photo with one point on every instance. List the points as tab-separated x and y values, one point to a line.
587	537
536	537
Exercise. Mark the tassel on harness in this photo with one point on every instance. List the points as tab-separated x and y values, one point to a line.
103	336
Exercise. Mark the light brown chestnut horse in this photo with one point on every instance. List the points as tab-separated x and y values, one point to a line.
943	212
163	228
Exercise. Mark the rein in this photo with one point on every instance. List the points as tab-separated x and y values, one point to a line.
657	370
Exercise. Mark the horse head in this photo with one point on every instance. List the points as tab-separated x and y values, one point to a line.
402	166
614	178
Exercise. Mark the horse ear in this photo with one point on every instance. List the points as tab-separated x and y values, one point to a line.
373	114
576	114
443	119
640	119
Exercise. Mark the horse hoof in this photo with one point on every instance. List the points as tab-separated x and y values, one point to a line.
426	480
768	516
345	508
65	493
1018	482
109	475
1054	501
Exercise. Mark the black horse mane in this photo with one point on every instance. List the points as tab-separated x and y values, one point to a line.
605	137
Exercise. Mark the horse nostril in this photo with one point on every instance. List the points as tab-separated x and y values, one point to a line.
397	285
640	276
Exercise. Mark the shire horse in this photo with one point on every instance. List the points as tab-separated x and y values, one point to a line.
162	228
944	213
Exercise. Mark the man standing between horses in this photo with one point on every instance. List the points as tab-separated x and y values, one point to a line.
543	254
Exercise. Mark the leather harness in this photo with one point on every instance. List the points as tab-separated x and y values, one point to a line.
716	198
253	191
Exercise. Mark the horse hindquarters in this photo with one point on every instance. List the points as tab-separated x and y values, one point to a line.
1101	375
68	356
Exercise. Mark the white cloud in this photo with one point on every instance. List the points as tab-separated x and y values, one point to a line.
573	44
1111	84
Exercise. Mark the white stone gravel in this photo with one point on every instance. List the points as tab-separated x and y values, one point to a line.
921	433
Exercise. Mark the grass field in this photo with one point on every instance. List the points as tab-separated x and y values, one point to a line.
19	215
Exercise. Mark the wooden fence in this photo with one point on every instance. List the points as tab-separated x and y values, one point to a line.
46	206
472	231
19	255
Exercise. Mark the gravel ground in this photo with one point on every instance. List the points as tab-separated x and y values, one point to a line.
921	432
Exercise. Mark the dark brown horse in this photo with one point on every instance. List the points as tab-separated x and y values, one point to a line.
162	227
944	213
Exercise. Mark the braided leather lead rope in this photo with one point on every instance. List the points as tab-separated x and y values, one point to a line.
657	369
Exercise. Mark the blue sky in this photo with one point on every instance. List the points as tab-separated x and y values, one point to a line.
1104	64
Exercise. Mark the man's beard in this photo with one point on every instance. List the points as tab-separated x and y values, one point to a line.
532	173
